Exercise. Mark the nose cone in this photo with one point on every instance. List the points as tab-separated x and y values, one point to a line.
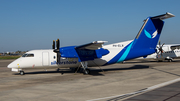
14	64
11	65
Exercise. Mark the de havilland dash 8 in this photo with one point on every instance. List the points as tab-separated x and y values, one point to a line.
95	53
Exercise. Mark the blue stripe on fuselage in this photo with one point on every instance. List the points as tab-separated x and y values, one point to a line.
121	56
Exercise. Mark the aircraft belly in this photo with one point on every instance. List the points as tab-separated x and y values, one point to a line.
68	65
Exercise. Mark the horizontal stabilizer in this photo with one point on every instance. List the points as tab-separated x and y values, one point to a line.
163	16
92	46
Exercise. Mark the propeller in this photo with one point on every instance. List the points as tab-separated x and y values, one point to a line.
57	49
53	46
160	50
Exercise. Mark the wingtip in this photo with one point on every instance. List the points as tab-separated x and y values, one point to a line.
170	14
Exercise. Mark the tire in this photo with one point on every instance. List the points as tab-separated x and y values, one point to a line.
88	71
21	72
170	60
58	70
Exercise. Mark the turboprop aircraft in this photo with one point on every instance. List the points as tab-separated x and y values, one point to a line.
165	52
95	54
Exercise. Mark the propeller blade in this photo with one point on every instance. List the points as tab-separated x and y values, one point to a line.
57	50
57	43
53	46
159	43
58	57
163	44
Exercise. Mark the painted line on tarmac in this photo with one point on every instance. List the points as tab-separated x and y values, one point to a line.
139	91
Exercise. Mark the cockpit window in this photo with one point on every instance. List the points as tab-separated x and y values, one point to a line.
28	55
24	55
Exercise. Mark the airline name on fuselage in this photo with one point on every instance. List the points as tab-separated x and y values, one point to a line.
63	62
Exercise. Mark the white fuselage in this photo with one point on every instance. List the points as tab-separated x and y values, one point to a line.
47	59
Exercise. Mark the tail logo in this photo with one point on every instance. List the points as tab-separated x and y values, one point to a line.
149	35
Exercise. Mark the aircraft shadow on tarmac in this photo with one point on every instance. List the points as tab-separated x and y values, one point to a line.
151	61
94	72
117	69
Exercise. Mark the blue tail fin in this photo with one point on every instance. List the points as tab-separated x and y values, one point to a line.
148	36
146	40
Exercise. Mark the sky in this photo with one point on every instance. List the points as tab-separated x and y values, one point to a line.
34	24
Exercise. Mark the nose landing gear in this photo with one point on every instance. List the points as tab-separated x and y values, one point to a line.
21	72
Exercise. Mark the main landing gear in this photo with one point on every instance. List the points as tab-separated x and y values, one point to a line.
87	71
85	67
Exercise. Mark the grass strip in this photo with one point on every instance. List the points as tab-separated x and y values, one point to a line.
9	57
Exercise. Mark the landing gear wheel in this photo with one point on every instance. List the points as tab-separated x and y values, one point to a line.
58	70
21	72
170	60
160	60
87	71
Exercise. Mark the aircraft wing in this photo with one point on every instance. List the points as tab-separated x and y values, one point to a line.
175	47
92	46
85	52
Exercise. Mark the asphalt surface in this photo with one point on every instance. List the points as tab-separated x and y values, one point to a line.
167	93
131	81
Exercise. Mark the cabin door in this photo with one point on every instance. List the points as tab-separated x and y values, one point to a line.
45	58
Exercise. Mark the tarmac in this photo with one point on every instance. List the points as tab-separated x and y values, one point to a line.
170	92
131	81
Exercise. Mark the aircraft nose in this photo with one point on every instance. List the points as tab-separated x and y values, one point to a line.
11	65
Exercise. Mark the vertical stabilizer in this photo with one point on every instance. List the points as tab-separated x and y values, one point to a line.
146	40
